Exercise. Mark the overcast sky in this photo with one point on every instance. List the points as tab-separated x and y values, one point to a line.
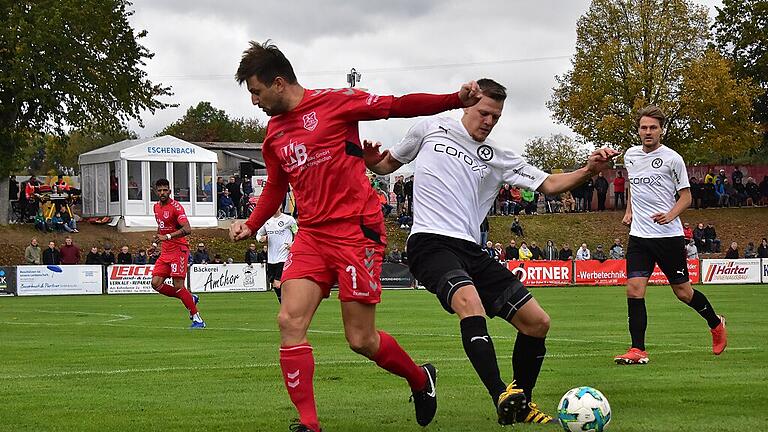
399	46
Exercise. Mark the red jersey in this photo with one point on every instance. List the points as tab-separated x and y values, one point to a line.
169	218
618	184
316	148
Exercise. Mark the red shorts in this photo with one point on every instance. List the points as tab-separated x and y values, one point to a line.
345	253
172	264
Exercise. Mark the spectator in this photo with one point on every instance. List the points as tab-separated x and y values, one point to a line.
201	255
485	227
738	194
710	237
40	223
386	207
601	186
583	253
535	251
749	251
578	195
710	198
762	250
251	254
220	188
569	203
516	227
217	259
134	192
687	231
408	192
246	187
691	251
500	252
616	251
398	189
490	250
764	190
697	193
93	257
524	253
600	254
124	256
30	196
504	198
51	255
550	251
153	253
528	201
69	222
722	193
733	251
517	200
752	191
721	177
227	205
70	253
553	203
107	256
737	176
58	223
233	187
140	258
32	253
13	188
566	254
589	187
114	187
699	236
404	220
618	191
710	177
511	251
261	257
394	255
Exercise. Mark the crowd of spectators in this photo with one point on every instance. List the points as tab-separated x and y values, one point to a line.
717	190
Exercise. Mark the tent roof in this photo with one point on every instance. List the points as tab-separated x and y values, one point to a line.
165	148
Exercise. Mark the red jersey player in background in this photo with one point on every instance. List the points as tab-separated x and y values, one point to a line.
172	229
312	143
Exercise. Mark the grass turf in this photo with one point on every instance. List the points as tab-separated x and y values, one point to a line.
116	363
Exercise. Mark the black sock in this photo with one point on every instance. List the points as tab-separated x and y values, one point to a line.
638	321
700	304
479	348
526	361
278	293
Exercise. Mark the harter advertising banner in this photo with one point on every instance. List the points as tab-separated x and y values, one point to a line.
58	280
731	271
7	281
593	272
227	277
542	273
130	279
694	274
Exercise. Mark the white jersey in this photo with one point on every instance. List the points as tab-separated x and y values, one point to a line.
457	178
654	178
279	231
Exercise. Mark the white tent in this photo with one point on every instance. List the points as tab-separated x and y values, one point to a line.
117	180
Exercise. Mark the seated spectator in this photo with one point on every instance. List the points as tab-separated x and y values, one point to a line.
750	251
517	200
752	190
124	256
529	201
739	196
553	203
386	208
697	193
51	255
140	258
599	254
566	254
733	251
261	257
217	259
699	235
721	192
69	221
504	198
153	253
394	255
511	251
490	250
710	237
550	251
404	220
251	254
70	253
227	205
762	250
616	251
524	253
107	256
735	198
535	251
516	227
687	231
690	249
93	257
500	252
569	203
201	255
58	223
33	254
40	223
764	191
583	253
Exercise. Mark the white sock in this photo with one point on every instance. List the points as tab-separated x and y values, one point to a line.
196	317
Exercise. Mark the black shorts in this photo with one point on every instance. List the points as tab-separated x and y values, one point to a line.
667	252
445	264
274	272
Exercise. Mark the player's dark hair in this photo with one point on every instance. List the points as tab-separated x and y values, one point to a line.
492	89
266	62
653	112
162	182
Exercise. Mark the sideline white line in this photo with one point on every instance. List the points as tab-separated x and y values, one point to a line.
108	372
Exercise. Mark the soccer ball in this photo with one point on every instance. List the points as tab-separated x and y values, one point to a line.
583	409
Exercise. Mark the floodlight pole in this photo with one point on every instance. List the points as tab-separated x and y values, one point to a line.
353	77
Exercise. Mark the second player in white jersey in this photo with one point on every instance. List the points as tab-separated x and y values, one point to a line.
654	178
278	232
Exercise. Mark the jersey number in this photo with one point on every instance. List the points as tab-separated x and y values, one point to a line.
353	272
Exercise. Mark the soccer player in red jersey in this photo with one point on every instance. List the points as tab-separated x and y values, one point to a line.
312	143
172	229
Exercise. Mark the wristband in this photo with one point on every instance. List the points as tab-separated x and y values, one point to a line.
168	236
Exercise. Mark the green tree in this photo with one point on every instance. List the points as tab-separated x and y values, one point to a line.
204	122
557	151
64	152
68	64
633	53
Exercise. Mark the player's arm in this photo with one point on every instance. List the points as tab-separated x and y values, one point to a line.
422	104
683	202
261	235
599	160
404	152
382	163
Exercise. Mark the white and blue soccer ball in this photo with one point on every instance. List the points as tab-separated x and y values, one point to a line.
583	409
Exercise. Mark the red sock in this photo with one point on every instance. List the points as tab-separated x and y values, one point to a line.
182	294
298	367
393	358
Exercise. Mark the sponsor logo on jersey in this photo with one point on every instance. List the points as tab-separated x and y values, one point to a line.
485	153
656	163
372	99
654	180
310	121
294	155
464	157
521	172
444	129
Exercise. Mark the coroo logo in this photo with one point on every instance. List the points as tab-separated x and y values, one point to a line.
485	153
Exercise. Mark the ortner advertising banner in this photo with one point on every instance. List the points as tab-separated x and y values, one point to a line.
130	279
227	277
731	271
542	273
694	273
593	272
58	280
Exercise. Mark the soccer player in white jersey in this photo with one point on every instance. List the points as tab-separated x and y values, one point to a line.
278	232
458	173
655	173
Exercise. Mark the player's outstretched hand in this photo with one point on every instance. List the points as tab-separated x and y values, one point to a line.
627	219
662	218
157	239
239	231
470	93
371	153
601	159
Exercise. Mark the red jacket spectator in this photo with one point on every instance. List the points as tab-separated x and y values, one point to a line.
618	184
69	253
687	231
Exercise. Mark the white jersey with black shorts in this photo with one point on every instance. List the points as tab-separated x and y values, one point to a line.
654	179
279	232
456	180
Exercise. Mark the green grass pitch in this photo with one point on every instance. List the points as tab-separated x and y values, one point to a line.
128	363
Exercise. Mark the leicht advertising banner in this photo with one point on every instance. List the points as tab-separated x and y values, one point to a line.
731	271
694	274
593	272
58	280
227	277
7	281
129	279
542	273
